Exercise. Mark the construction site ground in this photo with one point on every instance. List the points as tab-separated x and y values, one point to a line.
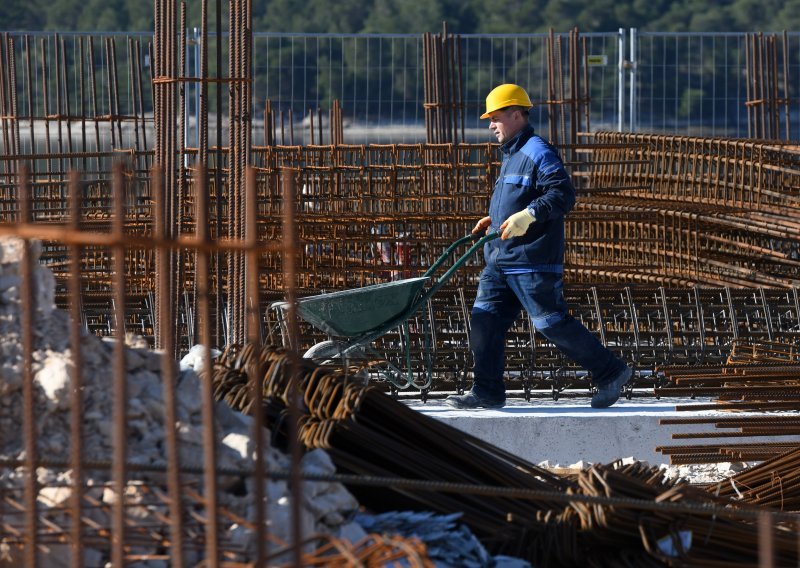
566	431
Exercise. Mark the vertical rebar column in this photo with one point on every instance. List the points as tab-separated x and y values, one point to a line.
444	65
58	45
12	64
82	104
233	178
119	378
255	372
427	85
202	131
748	64
46	105
168	376
29	92
161	277
65	111
761	88
28	299
138	86
574	91
12	103
5	92
112	63
76	379
165	71
180	170
110	91
786	95
133	102
585	98
289	258
202	273
552	108
93	95
240	50
218	335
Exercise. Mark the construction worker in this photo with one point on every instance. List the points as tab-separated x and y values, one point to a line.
525	266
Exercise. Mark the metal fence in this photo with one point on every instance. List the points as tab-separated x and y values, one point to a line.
683	83
697	84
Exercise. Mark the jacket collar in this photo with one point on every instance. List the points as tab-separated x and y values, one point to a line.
518	140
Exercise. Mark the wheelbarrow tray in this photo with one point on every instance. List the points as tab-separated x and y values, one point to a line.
358	311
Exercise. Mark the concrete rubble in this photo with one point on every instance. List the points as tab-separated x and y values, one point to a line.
696	474
327	507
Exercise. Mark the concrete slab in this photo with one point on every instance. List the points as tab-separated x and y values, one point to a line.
568	430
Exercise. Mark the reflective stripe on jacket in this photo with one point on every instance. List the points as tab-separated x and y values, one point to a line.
532	175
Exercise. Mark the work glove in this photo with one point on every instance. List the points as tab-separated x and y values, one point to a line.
517	224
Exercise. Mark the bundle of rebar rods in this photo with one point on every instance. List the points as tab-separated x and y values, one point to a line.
774	483
758	377
368	433
692	539
376	437
371	550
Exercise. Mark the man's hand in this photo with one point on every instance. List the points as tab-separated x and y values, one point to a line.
482	225
517	224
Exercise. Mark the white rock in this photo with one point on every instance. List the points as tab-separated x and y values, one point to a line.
54	381
239	443
54	496
110	496
195	359
12	250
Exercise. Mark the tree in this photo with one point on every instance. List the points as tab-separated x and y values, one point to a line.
315	16
20	15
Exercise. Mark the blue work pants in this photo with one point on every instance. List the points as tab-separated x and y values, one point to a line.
497	304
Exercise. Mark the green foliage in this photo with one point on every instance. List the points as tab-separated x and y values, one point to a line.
689	103
18	15
412	16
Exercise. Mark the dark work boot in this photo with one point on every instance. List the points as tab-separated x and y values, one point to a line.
470	400
608	393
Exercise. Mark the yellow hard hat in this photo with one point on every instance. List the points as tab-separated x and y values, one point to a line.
506	95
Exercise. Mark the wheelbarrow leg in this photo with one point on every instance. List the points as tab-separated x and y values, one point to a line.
526	386
555	383
461	382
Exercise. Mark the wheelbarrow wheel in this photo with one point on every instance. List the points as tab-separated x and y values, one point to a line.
325	351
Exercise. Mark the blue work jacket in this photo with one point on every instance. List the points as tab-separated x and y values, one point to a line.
532	175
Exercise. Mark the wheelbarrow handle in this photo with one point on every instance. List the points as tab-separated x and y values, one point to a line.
481	240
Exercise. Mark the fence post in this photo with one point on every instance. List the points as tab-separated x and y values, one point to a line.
632	86
620	79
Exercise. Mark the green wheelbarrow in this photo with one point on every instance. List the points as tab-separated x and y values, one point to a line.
354	318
